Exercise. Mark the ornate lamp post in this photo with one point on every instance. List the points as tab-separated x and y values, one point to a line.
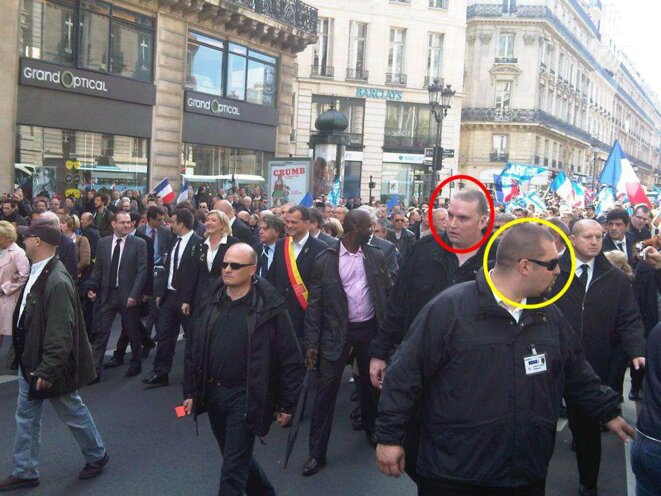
440	97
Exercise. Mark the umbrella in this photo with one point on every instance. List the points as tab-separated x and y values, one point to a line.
298	416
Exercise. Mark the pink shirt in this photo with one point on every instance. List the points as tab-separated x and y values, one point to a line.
354	281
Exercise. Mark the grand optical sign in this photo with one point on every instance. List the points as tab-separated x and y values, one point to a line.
56	77
211	105
215	106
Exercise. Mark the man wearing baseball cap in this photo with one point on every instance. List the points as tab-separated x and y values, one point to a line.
54	360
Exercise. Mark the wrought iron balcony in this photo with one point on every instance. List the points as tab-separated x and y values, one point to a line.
506	60
398	79
499	157
326	71
293	12
357	74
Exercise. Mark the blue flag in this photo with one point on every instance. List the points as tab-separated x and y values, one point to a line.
307	200
334	194
521	172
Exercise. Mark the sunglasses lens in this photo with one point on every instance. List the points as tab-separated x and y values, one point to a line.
552	264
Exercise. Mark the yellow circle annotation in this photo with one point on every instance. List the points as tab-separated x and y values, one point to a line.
531	306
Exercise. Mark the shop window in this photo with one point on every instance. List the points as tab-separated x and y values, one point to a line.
408	126
352	108
204	71
93	53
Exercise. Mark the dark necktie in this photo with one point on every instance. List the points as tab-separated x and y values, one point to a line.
264	261
620	246
153	235
114	265
175	254
584	276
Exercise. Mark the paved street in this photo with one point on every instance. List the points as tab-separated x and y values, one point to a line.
154	453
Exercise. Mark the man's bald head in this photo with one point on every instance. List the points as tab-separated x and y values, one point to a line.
225	207
581	225
241	253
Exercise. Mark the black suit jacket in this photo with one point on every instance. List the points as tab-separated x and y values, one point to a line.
148	290
329	240
258	249
66	250
194	288
164	238
278	276
609	245
404	242
132	269
187	271
242	232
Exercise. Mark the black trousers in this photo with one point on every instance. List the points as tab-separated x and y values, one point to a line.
123	341
170	320
109	310
329	379
439	487
240	472
619	361
587	438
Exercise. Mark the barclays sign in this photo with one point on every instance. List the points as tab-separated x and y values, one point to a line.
380	94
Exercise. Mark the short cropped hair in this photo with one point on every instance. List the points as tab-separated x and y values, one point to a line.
154	211
276	223
618	214
472	196
305	211
185	217
316	217
521	241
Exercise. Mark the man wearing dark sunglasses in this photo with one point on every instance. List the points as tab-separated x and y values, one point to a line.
486	377
242	335
601	308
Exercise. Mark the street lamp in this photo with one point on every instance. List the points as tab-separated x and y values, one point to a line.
440	97
595	155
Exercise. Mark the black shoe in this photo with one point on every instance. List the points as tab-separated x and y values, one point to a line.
93	469
133	371
11	483
634	395
96	380
358	424
313	465
146	348
113	362
355	413
371	439
156	380
584	491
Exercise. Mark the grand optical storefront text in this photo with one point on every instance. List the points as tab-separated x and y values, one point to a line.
66	78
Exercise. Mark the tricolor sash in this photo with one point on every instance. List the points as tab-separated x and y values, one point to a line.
294	275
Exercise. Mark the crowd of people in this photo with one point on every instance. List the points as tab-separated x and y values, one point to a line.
461	371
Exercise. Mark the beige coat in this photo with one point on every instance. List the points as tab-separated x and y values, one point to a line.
14	273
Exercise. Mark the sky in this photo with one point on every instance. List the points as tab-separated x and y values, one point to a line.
639	38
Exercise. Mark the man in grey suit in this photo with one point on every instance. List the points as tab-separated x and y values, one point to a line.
118	279
316	221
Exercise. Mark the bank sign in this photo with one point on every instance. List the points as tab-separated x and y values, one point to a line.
56	77
379	94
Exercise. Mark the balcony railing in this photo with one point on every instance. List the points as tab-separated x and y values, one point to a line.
499	157
407	142
292	12
430	79
357	74
322	71
506	60
394	78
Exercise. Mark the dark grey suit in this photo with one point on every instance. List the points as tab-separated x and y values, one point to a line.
164	235
132	272
329	240
390	252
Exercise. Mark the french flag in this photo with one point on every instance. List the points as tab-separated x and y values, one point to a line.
183	192
164	191
564	188
506	188
619	174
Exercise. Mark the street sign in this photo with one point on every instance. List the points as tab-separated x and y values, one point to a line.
429	156
448	152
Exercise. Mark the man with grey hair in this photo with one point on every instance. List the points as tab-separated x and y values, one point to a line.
480	435
501	219
340	213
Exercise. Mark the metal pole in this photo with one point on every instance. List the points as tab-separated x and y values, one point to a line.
440	152
369	199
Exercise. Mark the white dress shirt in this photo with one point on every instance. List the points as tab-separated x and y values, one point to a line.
121	252
515	312
298	247
180	251
211	253
35	272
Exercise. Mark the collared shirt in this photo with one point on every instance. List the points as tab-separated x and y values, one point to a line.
211	253
515	312
121	251
269	254
35	272
621	244
579	270
180	251
356	287
157	253
298	247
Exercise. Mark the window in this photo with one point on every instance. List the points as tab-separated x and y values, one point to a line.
357	48
499	151
509	6
408	126
434	56
204	160
506	45
352	108
503	96
89	34
438	4
323	48
561	65
250	76
396	51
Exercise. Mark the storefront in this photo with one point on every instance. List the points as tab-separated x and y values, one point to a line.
403	175
85	99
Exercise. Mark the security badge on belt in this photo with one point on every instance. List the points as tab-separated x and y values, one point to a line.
535	362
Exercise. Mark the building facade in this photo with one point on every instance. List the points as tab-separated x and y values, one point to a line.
543	87
373	60
125	93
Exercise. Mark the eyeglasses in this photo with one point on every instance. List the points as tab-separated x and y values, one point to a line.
398	220
235	265
550	264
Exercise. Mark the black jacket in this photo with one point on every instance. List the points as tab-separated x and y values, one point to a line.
484	421
404	242
187	272
148	289
328	314
609	245
425	273
242	232
275	363
66	251
604	317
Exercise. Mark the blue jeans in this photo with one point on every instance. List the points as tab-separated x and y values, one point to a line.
646	464
71	410
240	473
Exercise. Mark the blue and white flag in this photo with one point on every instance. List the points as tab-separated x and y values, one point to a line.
534	198
334	193
579	195
605	200
521	172
563	187
183	192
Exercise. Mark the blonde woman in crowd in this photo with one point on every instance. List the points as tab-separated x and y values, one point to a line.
333	227
14	272
619	260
